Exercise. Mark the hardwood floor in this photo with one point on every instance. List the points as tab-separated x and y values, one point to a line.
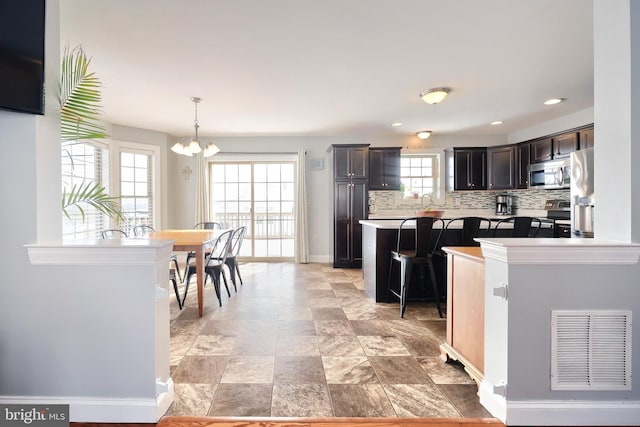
308	422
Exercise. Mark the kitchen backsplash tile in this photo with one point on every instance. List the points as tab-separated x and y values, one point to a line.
523	199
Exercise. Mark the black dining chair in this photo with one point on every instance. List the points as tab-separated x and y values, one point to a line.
425	241
517	226
142	231
214	265
113	233
232	256
172	279
207	225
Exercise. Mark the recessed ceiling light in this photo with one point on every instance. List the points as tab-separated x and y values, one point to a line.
497	122
424	134
396	124
553	101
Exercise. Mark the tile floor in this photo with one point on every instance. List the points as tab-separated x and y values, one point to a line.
307	341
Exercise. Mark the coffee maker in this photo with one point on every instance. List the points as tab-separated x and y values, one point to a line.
504	204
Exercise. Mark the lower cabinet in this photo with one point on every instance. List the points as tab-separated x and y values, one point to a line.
350	206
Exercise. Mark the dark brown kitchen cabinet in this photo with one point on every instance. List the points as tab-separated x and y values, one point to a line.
541	150
384	168
350	203
350	161
350	206
501	167
466	168
564	144
585	137
523	155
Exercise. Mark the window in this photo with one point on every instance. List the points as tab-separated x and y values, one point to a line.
259	195
419	174
136	190
83	163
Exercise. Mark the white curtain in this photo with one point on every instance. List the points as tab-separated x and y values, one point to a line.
201	211
302	238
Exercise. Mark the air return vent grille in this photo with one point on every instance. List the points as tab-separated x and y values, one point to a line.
590	350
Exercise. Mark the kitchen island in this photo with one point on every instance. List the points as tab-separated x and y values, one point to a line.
380	236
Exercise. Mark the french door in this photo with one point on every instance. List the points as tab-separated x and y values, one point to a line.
261	196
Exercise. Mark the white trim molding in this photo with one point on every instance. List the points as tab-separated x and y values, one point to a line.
105	410
100	252
560	251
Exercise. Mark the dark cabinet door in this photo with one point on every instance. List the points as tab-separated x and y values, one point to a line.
342	223
564	145
586	138
359	199
384	168
522	165
350	161
350	206
541	150
470	170
501	168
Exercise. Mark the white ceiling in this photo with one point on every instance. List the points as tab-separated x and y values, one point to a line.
335	67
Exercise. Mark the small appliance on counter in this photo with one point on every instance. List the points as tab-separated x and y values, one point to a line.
559	212
504	204
582	194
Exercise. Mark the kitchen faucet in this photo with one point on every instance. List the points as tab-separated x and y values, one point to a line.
422	200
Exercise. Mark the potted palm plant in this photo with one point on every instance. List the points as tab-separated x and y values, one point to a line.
80	98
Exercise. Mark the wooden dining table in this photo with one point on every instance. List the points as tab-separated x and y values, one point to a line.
191	240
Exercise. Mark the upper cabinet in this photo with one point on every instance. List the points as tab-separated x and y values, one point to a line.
384	168
501	167
585	138
554	147
565	144
523	155
350	161
466	168
541	150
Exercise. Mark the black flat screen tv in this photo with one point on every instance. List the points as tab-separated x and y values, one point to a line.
22	55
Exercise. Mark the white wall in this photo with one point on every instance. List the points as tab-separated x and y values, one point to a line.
580	118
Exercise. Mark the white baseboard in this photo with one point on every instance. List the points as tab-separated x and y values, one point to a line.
573	413
94	410
495	404
559	412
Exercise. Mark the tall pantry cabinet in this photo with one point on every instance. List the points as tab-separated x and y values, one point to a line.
350	202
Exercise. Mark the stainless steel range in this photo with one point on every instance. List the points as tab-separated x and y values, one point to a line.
559	213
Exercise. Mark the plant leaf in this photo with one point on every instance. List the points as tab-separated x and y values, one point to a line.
90	193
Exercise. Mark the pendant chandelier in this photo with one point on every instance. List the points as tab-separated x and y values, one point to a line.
194	146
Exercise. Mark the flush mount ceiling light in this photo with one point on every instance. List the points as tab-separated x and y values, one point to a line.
396	124
194	147
497	122
435	95
553	101
424	134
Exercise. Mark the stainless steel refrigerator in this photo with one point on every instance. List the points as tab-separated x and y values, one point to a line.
582	194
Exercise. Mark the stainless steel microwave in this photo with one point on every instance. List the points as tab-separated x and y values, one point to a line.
551	174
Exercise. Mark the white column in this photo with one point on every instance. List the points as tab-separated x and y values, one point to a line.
616	37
